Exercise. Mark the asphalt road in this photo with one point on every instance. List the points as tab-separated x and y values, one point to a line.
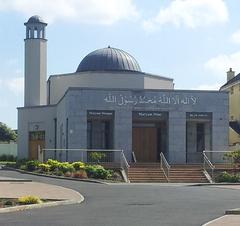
130	205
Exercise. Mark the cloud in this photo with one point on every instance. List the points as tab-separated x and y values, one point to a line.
190	13
215	86
236	37
80	11
14	85
221	63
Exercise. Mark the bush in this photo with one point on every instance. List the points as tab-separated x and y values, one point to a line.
54	164
23	167
65	167
32	165
9	203
227	177
80	174
59	173
97	156
10	164
8	158
234	155
25	200
98	172
21	162
78	165
68	174
44	167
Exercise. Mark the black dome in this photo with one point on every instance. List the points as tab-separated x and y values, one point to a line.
108	59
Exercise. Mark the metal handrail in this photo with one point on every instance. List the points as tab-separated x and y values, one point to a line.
134	157
116	157
163	162
125	160
125	166
63	154
207	161
81	149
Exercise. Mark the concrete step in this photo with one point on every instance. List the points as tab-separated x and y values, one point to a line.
146	173
151	172
147	181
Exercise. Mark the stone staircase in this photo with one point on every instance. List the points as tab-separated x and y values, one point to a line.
151	172
187	174
146	173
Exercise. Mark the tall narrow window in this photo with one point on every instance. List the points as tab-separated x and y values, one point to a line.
89	134
66	140
200	137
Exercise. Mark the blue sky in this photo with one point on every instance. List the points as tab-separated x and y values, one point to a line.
193	41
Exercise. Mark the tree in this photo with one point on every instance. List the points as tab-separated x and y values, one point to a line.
6	133
234	158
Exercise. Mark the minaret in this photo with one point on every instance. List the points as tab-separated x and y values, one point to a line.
35	62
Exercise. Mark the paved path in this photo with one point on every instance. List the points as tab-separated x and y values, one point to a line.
42	190
130	205
227	220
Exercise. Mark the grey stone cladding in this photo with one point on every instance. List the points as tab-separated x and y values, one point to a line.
124	101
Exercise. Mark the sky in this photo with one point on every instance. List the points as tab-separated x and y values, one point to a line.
192	41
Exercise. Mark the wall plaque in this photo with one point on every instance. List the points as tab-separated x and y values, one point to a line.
100	114
199	115
150	115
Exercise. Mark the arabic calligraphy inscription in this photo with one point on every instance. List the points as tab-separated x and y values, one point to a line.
123	100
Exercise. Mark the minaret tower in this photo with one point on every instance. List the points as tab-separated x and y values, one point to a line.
35	62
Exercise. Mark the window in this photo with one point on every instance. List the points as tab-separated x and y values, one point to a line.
99	134
232	90
200	137
89	134
39	135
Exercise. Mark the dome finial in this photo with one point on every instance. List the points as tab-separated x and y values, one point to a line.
109	46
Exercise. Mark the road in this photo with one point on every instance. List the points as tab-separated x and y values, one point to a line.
128	204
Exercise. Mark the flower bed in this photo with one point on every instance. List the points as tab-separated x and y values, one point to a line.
74	170
25	200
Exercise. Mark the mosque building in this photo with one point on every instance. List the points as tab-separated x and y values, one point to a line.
109	103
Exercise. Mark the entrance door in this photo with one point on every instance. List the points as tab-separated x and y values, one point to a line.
145	144
36	139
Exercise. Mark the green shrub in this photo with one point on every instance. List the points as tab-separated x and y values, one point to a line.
234	155
227	177
8	158
44	167
9	203
54	164
10	164
80	174
21	162
30	199
32	165
97	156
98	172
65	167
23	167
78	165
68	174
59	173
